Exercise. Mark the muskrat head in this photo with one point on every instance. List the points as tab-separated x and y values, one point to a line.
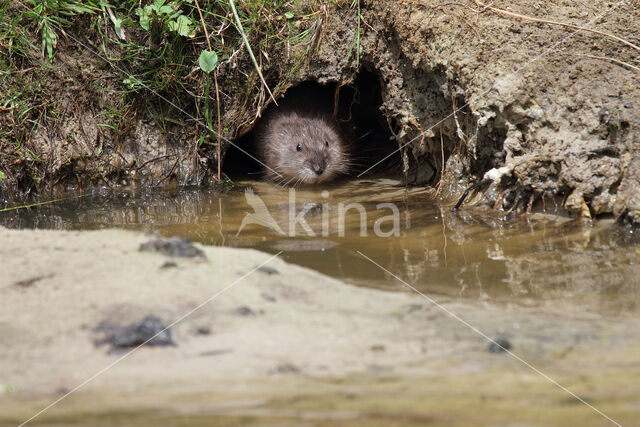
306	150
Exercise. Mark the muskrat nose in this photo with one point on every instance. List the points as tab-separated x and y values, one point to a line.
319	165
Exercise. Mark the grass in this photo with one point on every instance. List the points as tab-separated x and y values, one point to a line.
151	44
356	39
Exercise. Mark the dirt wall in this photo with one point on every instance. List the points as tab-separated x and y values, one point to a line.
546	108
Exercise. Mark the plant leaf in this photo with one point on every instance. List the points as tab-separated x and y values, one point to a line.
78	8
183	26
145	17
2	175
49	40
166	10
289	15
117	27
117	23
132	83
208	61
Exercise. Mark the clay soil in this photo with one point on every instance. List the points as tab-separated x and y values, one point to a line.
548	108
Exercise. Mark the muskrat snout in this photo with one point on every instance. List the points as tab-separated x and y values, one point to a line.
318	165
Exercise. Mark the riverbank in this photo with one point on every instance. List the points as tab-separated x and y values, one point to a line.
540	99
282	344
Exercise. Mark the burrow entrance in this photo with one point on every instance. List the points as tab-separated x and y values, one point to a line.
437	124
357	109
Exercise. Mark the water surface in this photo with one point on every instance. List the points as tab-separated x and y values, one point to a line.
545	260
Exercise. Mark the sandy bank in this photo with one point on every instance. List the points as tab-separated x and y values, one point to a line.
281	343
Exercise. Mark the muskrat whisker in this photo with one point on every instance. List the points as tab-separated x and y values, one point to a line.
350	163
283	181
364	135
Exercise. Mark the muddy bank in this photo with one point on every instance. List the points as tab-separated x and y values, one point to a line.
464	89
282	343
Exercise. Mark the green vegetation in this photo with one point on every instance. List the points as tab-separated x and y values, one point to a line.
356	39
164	55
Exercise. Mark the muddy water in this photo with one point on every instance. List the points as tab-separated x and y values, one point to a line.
546	260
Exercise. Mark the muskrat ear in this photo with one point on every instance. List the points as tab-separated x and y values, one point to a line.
326	143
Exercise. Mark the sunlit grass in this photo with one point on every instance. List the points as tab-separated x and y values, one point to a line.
153	44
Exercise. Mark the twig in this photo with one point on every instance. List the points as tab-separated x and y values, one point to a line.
248	46
459	131
155	159
617	61
84	135
204	26
48	202
441	152
218	148
215	79
475	186
546	21
530	204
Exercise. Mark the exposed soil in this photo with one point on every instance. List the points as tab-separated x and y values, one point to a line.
534	99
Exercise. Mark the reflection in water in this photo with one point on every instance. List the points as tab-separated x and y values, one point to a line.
548	260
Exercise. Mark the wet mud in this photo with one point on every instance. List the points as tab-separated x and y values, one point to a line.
282	343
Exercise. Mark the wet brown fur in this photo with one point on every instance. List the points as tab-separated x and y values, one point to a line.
299	141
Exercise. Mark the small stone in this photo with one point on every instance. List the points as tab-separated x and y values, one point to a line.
203	330
61	391
268	297
414	307
244	311
285	368
174	247
268	270
149	331
499	345
168	264
28	282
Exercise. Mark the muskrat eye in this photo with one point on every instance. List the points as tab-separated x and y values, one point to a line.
299	147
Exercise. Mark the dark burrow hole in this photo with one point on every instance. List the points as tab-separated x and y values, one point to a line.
357	109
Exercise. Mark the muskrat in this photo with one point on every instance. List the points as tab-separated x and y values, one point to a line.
299	141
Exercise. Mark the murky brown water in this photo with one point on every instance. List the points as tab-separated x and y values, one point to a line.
547	260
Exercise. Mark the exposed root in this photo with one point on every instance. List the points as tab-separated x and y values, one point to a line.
479	184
